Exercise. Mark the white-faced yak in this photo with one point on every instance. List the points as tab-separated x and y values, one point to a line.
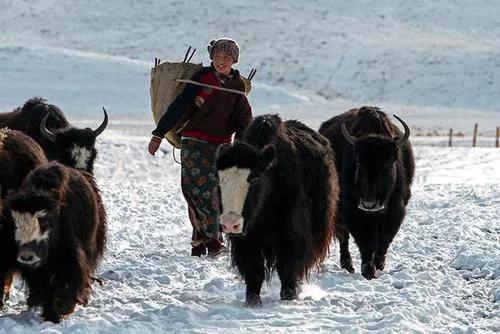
279	192
376	166
57	224
19	154
48	126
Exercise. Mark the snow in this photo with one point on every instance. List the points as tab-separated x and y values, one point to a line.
436	65
443	269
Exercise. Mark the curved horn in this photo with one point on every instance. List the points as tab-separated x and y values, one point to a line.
350	138
44	131
406	135
104	124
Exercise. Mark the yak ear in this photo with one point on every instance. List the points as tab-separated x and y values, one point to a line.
268	154
223	148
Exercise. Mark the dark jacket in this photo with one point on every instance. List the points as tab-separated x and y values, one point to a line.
223	114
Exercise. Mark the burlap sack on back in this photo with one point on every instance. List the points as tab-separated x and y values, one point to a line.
164	89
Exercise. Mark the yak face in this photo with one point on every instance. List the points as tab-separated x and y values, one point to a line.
31	216
72	146
375	171
244	185
76	148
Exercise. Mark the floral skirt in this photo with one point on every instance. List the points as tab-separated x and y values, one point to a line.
200	187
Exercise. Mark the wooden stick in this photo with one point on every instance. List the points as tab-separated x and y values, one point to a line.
187	53
474	137
451	134
191	56
498	135
210	86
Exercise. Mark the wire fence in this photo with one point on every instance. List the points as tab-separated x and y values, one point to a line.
486	138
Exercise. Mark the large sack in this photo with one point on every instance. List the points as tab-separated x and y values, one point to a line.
164	89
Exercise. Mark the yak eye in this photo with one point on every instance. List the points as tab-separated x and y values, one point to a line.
44	223
252	178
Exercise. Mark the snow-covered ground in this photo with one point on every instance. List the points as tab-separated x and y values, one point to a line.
443	271
435	63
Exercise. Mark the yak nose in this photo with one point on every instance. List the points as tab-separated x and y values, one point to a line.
231	222
28	257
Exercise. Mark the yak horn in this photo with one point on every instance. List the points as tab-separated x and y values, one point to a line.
104	124
350	138
44	131
406	135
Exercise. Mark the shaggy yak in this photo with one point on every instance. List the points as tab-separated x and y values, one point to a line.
376	166
19	154
48	126
57	223
279	192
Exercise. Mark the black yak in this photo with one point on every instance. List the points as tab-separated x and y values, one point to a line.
58	224
48	126
19	154
376	166
279	193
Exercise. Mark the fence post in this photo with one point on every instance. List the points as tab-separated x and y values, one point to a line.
451	134
474	137
498	135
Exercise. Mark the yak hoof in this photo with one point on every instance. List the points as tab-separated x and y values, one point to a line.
288	294
253	301
51	316
379	262
348	266
64	307
368	271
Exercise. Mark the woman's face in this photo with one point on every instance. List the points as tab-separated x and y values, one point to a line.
223	62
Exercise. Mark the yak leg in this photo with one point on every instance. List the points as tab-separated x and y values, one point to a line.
6	280
365	238
384	238
254	277
41	293
36	292
49	313
345	255
71	284
379	258
288	278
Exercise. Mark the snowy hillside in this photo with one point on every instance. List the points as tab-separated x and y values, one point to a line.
443	271
436	63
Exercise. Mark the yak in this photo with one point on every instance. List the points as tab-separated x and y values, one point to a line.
279	192
48	126
57	223
19	154
376	167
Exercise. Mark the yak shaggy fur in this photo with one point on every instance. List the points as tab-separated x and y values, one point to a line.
72	215
377	164
290	208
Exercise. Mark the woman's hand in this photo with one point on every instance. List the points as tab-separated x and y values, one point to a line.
154	145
